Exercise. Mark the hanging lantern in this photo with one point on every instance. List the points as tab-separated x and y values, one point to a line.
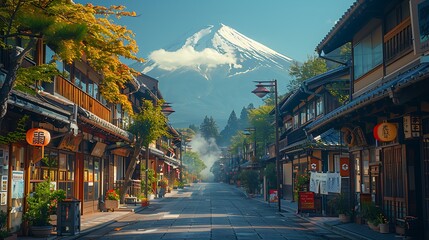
385	132
38	137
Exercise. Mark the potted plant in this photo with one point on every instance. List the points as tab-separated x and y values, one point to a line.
112	200
383	223
4	233
41	204
371	213
144	200
341	206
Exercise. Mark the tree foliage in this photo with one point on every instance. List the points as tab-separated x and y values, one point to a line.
209	129
75	32
262	121
232	126
147	126
193	163
310	68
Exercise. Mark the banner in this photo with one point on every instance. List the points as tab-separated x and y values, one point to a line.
325	182
344	167
334	183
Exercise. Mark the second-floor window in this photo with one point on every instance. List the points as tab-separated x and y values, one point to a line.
319	106
310	110
368	53
296	121
303	114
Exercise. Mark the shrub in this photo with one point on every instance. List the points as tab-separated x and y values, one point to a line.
112	195
43	203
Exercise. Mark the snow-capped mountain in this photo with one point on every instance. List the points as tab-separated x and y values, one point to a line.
212	72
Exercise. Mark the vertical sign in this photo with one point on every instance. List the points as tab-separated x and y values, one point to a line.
344	167
306	202
314	164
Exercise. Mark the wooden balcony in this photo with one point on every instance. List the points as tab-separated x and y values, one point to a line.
398	41
68	90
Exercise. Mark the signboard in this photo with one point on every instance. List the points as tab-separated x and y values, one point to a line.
344	167
17	184
3	198
98	149
71	142
412	126
306	202
273	195
3	186
314	164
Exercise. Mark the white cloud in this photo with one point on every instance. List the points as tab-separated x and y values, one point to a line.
187	56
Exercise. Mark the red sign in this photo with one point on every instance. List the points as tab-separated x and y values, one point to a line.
306	201
38	137
344	167
273	195
314	164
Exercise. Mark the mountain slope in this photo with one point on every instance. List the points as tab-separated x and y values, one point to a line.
212	73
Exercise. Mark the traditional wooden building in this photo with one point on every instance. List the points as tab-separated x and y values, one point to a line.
89	148
388	102
300	151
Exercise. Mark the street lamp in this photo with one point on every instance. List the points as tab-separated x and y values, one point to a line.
247	132
261	91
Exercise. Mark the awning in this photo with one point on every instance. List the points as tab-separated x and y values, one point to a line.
401	81
35	105
104	125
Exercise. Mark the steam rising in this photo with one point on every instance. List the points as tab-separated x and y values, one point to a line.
209	152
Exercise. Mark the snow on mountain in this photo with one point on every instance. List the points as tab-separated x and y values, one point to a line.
212	72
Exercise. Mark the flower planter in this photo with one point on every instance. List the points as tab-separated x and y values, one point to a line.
373	226
41	231
344	218
111	204
384	228
145	203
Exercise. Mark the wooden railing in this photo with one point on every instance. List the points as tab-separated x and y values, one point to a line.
134	188
66	89
398	41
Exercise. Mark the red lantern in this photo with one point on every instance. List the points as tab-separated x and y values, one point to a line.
38	137
385	132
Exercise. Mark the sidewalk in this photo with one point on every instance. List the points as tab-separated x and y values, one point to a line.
98	220
348	230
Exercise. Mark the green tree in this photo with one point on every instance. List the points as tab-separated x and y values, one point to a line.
72	31
301	72
193	163
261	120
243	121
147	126
229	130
209	129
194	128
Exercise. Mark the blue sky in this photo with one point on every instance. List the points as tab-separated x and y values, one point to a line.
290	27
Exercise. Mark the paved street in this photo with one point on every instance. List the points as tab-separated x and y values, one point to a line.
211	211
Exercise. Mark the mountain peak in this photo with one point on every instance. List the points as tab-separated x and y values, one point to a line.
195	74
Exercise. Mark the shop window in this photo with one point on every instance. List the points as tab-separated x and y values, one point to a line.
91	178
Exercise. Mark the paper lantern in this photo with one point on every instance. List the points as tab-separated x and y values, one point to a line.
38	137
385	132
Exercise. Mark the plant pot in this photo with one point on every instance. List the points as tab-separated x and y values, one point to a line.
145	203
344	217
41	231
111	205
384	228
400	230
373	226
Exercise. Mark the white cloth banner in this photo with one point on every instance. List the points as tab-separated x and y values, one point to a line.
325	182
334	182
